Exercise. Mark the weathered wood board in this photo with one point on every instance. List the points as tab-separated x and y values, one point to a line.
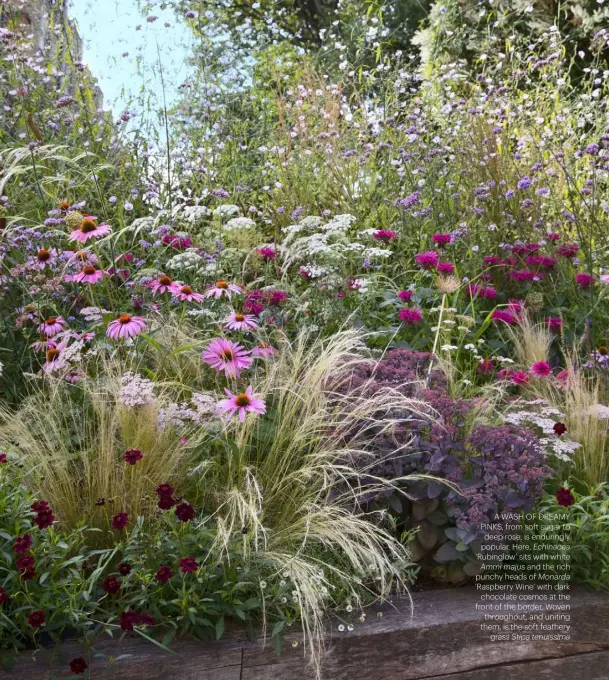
438	638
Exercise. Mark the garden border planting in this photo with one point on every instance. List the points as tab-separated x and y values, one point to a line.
441	640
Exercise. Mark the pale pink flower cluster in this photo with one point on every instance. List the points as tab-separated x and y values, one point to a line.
135	390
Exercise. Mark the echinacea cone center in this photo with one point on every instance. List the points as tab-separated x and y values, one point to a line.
221	284
239	317
124	318
242	400
51	320
87	226
165	281
52	354
227	355
187	290
43	255
88	270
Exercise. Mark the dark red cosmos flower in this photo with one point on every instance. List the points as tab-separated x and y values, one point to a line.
188	565
111	585
44	519
165	490
564	497
85	565
23	544
25	562
185	512
36	619
559	428
147	620
164	574
166	502
3	596
124	569
120	520
3	458
132	456
128	620
78	666
28	574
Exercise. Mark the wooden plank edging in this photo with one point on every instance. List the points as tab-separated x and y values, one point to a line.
439	638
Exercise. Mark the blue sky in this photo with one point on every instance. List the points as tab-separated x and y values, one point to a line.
108	29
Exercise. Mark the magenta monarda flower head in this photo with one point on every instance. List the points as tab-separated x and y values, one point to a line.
187	294
126	326
405	295
505	315
540	369
584	280
485	366
446	267
410	315
240	322
482	291
227	356
267	253
384	235
222	288
88	229
243	403
427	260
555	324
520	378
441	240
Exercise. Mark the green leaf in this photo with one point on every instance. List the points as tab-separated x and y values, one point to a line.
277	628
219	627
277	644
